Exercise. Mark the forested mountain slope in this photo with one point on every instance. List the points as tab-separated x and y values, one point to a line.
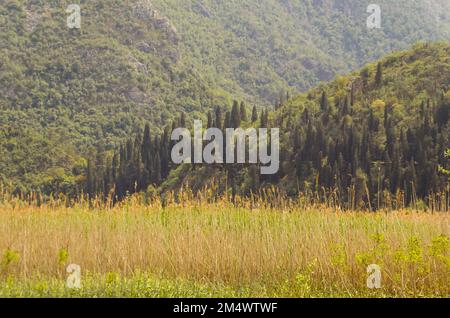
376	133
262	47
64	92
384	128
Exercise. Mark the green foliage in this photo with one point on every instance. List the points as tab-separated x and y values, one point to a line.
65	92
260	48
9	257
63	256
366	141
440	248
385	134
443	170
363	139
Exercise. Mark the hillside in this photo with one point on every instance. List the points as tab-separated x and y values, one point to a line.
366	139
63	91
260	48
66	93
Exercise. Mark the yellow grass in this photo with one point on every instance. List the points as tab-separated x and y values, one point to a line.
286	252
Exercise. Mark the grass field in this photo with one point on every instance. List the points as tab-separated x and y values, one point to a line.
217	250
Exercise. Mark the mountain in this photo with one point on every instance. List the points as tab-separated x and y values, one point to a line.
370	138
64	90
260	48
65	93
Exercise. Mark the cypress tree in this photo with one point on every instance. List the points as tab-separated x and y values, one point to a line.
219	119
157	170
365	78
146	144
379	75
183	120
254	114
228	121
210	120
91	178
235	115
243	112
324	102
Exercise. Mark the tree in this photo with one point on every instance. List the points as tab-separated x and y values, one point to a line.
365	77
219	119
183	120
443	110
324	102
146	144
254	114
91	178
264	118
157	178
227	122
235	115
210	120
442	169
379	75
243	112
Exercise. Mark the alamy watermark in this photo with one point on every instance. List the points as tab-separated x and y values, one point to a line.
74	18
74	279
263	148
374	278
374	20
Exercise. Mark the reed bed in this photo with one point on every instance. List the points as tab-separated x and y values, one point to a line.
193	246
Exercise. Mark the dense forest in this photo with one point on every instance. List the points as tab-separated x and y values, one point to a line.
258	48
91	110
368	137
65	91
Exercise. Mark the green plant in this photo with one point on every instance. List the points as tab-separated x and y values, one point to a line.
442	169
9	257
63	256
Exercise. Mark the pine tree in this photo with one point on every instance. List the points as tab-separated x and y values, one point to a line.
157	178
379	75
115	167
146	145
324	102
210	120
91	178
228	121
365	78
352	95
219	119
254	178
254	114
442	116
243	112
263	122
183	120
164	160
100	171
235	115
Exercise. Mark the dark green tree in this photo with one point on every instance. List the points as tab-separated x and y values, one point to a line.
243	112
254	114
235	115
379	75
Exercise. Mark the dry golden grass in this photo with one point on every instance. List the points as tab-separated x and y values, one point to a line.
289	251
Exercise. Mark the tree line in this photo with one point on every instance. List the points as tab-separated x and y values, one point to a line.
370	151
146	159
